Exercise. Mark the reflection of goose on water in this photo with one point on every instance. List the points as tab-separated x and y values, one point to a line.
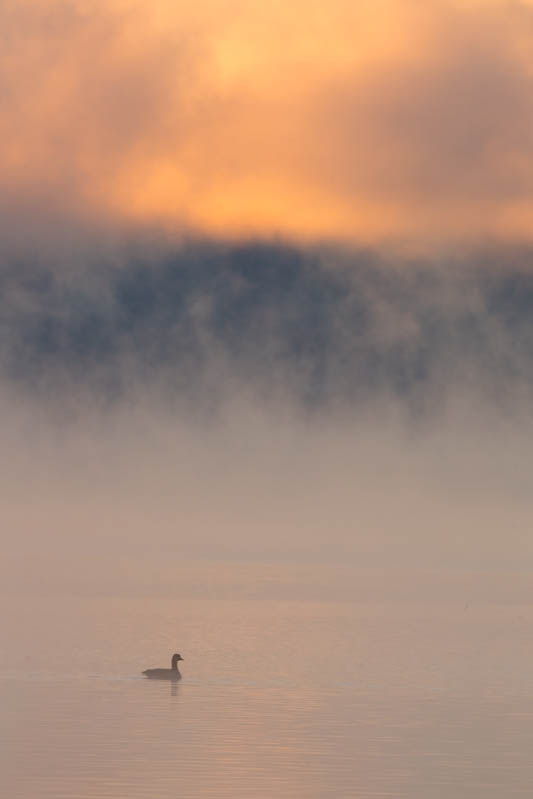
166	674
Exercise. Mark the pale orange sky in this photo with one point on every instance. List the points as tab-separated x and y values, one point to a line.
369	121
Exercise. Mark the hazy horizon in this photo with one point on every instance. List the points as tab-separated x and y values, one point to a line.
266	403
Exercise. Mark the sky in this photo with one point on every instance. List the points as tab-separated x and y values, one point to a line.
371	121
266	290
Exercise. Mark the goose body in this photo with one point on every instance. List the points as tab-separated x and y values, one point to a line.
166	674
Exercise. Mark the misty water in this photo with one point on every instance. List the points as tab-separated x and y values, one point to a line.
285	698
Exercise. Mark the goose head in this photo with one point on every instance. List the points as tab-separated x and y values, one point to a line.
175	659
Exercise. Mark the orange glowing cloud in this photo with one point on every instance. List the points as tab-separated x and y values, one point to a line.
372	120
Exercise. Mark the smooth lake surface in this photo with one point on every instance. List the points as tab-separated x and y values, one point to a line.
278	699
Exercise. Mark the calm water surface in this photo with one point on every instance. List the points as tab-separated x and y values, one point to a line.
284	699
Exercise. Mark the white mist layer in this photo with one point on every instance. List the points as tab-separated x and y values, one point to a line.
137	501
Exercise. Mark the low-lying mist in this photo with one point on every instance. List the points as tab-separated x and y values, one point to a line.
268	420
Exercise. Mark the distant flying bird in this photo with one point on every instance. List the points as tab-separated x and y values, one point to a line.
166	674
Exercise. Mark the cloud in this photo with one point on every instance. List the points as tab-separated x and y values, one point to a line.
449	134
375	121
319	328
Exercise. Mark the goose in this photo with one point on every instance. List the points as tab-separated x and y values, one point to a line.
166	674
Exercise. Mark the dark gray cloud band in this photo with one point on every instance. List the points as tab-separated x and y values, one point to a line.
204	320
